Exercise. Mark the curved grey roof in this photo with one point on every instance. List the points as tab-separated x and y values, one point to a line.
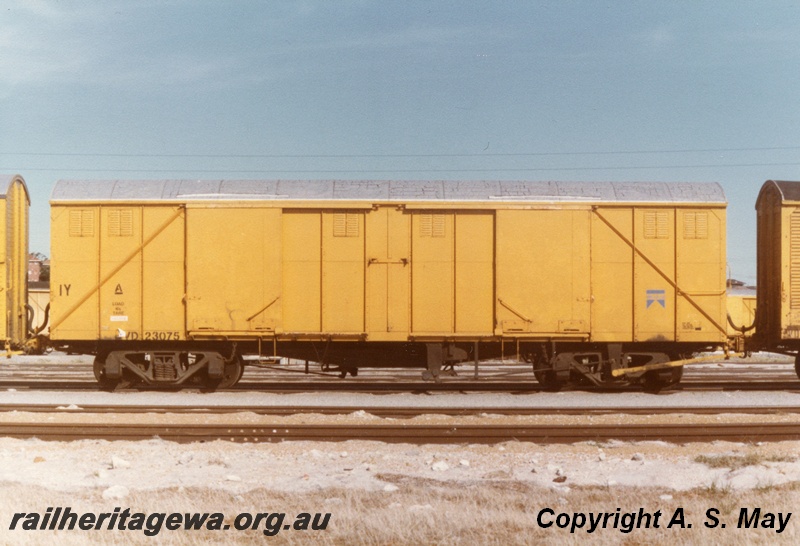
789	191
7	179
385	190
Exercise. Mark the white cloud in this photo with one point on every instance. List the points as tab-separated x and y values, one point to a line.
39	8
38	44
43	43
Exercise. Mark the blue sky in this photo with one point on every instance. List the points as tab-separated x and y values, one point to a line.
629	91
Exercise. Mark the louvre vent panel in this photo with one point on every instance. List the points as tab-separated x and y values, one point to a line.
794	254
113	223
351	227
432	225
120	223
695	225
689	225
438	225
345	224
81	223
126	223
702	225
656	225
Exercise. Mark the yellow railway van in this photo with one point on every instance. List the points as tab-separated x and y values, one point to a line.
14	207
172	281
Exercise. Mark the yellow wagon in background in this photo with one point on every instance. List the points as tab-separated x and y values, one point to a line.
778	273
14	209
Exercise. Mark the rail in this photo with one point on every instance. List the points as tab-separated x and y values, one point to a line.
412	434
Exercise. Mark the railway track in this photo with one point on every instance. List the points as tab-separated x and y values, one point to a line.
77	377
395	412
80	378
531	386
30	374
413	434
178	424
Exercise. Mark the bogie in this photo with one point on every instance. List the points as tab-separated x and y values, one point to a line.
175	368
605	366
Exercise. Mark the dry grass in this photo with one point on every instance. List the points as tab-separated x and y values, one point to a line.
734	462
419	512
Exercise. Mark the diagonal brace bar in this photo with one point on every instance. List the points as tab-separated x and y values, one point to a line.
118	268
658	270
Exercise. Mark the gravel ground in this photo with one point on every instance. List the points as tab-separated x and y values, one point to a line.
299	466
402	494
409	483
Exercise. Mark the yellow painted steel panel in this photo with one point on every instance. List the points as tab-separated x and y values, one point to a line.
232	269
74	270
432	272
5	309
343	271
301	294
612	276
17	203
452	272
701	274
543	271
654	296
121	295
163	278
474	275
97	270
14	205
789	272
388	277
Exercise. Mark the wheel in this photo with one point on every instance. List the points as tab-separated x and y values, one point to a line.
100	374
104	382
547	379
660	379
545	375
232	373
